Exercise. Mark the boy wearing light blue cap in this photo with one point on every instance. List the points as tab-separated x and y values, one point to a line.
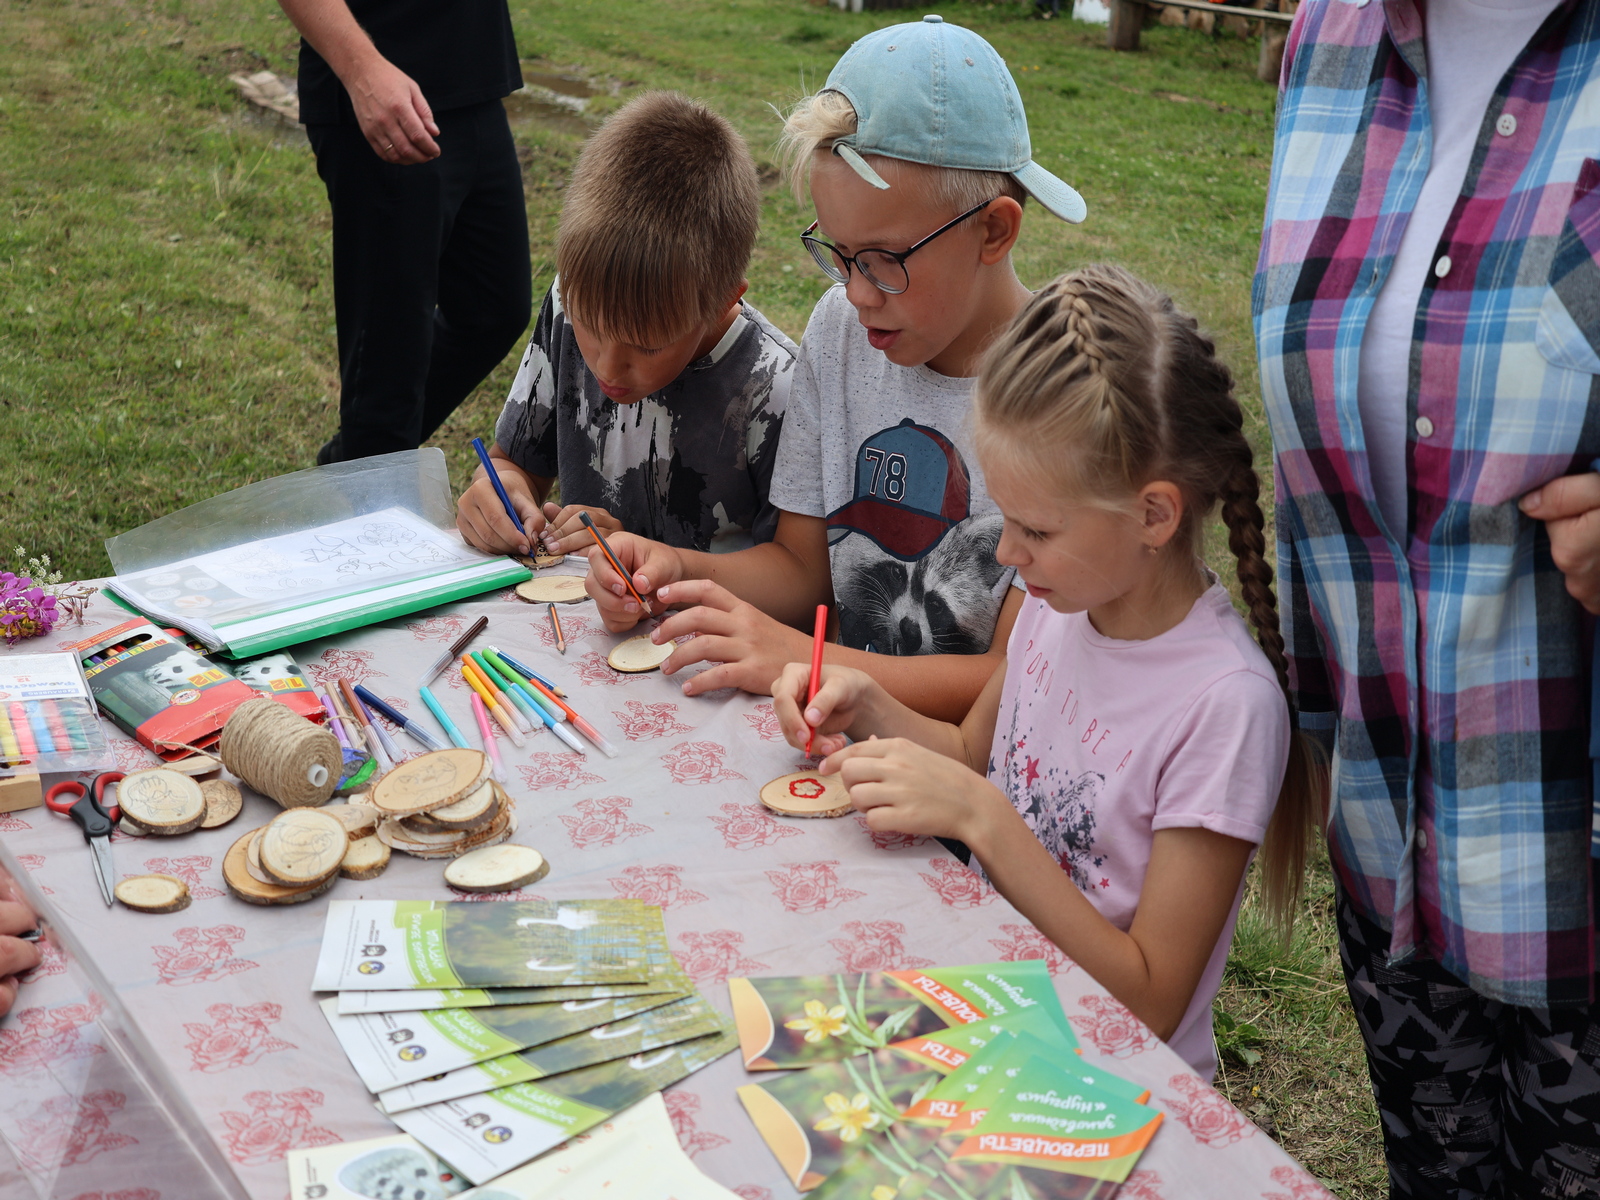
919	162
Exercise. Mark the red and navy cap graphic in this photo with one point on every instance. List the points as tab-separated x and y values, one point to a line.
911	486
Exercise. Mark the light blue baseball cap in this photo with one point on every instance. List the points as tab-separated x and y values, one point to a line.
934	93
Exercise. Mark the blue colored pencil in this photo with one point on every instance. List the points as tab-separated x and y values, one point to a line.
499	488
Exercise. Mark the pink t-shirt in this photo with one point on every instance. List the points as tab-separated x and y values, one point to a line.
1100	743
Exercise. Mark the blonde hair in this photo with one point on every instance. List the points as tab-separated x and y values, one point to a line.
1102	370
658	221
819	120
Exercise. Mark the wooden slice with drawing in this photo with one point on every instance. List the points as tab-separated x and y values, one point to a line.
430	781
153	893
359	820
367	858
245	887
223	803
474	812
497	869
807	794
639	654
252	858
553	589
163	802
302	846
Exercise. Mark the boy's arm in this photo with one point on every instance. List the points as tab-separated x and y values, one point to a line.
481	517
394	116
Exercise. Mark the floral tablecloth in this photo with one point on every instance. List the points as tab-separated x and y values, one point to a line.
222	989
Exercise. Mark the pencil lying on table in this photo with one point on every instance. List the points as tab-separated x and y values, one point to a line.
555	623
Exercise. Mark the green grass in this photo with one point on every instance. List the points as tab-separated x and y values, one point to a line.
166	327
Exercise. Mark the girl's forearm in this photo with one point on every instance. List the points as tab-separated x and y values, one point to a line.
880	714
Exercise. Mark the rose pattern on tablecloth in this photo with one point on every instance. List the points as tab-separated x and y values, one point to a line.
13	823
439	629
713	956
202	956
1111	1028
574	628
277	1123
187	869
660	885
764	721
746	826
72	1131
957	885
133	756
642	720
810	887
122	1194
601	821
32	862
1300	1184
1141	1185
883	839
874	946
1205	1113
561	770
353	665
44	1038
1025	942
698	762
684	1110
51	962
593	670
236	1037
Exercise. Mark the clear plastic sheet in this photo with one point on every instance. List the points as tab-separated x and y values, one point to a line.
86	1106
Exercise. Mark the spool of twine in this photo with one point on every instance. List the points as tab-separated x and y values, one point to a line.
280	754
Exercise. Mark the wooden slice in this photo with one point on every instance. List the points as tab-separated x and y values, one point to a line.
553	589
359	820
367	858
223	803
397	835
476	811
302	846
497	869
430	781
131	827
195	764
164	802
807	794
153	893
253	891
252	859
639	654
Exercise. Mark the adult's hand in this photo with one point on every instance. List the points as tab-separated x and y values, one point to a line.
1570	510
16	955
395	117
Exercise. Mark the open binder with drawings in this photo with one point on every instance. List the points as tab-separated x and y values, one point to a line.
306	555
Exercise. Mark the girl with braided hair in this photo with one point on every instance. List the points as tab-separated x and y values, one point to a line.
1115	778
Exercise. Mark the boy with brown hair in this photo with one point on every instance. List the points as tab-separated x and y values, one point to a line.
919	162
649	387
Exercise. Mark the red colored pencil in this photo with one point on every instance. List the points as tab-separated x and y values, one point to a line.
817	635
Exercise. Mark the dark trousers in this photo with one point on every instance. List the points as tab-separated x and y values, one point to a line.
431	282
1477	1098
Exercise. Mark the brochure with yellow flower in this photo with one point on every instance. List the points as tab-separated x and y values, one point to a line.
802	1020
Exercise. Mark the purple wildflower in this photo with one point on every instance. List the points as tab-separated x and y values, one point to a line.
26	610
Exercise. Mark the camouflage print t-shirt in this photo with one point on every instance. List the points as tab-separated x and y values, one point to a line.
689	465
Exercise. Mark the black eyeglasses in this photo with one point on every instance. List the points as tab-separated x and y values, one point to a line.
884	269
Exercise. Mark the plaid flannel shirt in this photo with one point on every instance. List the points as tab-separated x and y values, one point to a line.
1448	662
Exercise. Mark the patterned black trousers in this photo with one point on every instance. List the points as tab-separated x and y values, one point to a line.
1477	1098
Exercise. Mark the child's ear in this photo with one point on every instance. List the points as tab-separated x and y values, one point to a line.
1161	509
1002	225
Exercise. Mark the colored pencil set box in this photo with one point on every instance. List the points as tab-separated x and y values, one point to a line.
155	688
47	718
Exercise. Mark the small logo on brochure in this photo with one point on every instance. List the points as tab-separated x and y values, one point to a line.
372	950
497	1134
370	968
413	1053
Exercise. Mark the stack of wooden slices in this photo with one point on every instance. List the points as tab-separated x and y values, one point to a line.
442	805
301	852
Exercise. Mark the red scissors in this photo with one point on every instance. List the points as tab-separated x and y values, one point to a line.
86	806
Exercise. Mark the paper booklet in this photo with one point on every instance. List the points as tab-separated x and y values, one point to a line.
371	945
801	1020
267	594
634	1155
391	1049
391	1168
485	1135
352	1003
676	1021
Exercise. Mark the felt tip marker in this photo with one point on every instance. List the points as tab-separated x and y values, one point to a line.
552	719
352	712
490	746
518	685
517	703
414	731
494	696
389	747
443	718
470	674
528	674
553	703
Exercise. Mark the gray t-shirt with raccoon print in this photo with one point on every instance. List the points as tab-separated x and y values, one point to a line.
689	465
885	454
